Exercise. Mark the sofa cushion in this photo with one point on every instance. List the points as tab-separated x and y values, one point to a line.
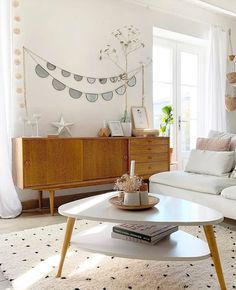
192	181
213	134
210	162
229	192
213	144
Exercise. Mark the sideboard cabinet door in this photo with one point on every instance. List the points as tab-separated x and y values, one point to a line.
104	158
52	161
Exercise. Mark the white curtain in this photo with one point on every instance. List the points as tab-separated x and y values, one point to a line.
214	117
10	205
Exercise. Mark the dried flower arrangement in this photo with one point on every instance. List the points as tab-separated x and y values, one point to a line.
129	40
128	183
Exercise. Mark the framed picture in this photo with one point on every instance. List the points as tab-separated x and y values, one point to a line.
116	129
139	117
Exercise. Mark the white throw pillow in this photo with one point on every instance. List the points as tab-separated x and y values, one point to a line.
210	162
229	192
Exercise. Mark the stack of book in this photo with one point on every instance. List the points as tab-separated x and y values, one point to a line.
147	234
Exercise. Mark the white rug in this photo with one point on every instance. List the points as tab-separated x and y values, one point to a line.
29	260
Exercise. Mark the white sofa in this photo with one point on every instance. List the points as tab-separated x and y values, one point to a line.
212	191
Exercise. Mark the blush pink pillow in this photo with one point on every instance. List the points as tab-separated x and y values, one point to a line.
213	144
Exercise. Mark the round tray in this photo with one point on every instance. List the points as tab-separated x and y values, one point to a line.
117	202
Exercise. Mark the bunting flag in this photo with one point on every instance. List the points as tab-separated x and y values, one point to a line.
45	72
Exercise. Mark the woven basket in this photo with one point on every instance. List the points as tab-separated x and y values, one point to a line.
231	57
231	77
230	103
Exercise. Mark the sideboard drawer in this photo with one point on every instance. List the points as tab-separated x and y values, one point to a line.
149	141
150	157
144	149
150	167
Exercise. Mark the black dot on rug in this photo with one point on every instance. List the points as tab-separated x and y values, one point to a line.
24	260
46	277
208	286
168	266
12	246
61	229
164	275
27	246
129	287
87	257
98	267
191	265
211	275
112	257
63	278
187	275
76	289
6	240
14	253
36	252
11	280
22	239
113	278
185	286
212	265
104	288
88	279
126	267
41	260
141	275
234	287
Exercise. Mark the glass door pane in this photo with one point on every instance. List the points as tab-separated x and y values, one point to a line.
187	120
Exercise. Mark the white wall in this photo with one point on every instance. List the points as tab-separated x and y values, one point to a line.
70	33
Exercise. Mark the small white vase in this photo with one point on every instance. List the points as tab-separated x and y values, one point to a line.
127	128
144	197
131	198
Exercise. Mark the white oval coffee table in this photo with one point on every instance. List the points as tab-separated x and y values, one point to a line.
180	246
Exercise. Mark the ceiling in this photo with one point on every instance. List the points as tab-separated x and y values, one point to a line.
226	7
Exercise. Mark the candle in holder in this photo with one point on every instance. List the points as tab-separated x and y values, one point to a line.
132	166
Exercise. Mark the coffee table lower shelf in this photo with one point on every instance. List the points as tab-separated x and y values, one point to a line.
180	246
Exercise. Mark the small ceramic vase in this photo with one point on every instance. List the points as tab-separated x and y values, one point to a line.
131	198
144	194
127	128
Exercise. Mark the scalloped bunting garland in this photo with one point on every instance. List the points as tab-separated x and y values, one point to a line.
77	77
75	93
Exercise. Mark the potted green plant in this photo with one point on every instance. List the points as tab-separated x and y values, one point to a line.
166	120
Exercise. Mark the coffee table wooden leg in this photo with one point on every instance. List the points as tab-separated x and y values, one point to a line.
67	238
209	232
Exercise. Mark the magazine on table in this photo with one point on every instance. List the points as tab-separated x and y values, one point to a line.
139	232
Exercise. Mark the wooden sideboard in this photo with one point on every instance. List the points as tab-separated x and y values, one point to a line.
58	163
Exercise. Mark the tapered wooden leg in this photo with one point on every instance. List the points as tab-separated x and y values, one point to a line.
215	254
40	199
51	201
67	237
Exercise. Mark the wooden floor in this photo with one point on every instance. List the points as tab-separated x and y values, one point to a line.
38	218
